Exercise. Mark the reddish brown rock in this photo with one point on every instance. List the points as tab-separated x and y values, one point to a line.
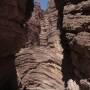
80	52
76	25
34	28
12	36
60	50
13	13
40	67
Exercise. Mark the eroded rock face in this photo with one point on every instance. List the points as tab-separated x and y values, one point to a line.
40	67
80	52
34	28
76	25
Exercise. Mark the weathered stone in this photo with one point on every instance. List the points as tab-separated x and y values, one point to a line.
81	52
13	13
76	27
40	67
62	36
34	28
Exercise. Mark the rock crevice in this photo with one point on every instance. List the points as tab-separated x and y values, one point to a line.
57	53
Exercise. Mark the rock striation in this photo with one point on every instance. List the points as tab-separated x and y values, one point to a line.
76	26
57	53
40	67
33	27
11	20
13	13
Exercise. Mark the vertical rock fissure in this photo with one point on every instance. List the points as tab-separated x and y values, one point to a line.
40	66
57	39
67	66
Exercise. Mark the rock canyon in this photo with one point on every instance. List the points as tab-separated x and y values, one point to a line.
57	50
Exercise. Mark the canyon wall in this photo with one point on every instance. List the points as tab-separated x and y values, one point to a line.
76	28
57	52
13	13
33	27
39	67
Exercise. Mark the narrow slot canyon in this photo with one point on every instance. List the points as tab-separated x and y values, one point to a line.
52	52
57	38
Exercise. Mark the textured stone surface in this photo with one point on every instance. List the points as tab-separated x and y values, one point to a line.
85	84
34	28
76	24
57	53
40	67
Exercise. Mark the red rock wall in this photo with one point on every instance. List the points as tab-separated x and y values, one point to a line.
64	47
76	25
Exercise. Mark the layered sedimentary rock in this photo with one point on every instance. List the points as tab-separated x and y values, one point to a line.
44	31
40	67
61	47
33	27
76	26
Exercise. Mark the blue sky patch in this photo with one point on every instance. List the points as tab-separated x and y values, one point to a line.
44	4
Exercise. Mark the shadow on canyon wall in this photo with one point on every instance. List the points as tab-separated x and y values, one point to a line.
67	67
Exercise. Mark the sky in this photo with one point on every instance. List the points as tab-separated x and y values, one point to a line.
44	4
